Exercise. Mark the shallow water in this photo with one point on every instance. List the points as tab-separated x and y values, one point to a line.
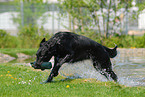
130	70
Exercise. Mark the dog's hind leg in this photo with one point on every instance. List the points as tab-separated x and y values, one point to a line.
98	68
112	75
107	72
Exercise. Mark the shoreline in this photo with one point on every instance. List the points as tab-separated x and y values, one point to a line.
133	52
123	52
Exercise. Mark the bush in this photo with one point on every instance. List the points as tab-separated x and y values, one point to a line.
8	41
122	41
140	42
30	36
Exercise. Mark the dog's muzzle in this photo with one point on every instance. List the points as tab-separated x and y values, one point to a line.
37	65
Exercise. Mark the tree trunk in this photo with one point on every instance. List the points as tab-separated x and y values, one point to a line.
81	20
103	16
108	17
73	22
97	23
69	22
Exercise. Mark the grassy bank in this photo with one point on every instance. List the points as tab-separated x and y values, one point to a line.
19	81
14	51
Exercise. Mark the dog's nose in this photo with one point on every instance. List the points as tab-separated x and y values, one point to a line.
37	65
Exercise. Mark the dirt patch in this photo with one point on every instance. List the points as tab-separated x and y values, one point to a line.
21	55
5	58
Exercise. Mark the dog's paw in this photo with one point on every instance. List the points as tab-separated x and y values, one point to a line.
55	74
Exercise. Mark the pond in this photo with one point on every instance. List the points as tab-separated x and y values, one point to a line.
129	69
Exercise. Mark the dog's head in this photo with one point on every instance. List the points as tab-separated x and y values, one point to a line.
43	54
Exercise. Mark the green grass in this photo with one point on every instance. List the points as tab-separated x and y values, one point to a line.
19	80
13	51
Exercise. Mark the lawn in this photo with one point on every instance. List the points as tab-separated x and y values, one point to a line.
24	81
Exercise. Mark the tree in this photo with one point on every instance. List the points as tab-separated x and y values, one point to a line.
29	12
102	16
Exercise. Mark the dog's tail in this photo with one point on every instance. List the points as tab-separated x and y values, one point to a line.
112	52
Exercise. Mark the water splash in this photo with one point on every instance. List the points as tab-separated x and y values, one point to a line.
82	69
130	71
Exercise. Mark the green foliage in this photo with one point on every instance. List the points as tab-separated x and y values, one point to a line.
98	14
28	37
31	36
8	41
30	12
140	41
33	1
122	41
126	41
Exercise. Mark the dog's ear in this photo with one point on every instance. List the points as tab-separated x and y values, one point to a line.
43	40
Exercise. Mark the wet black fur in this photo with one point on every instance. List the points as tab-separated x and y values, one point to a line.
67	47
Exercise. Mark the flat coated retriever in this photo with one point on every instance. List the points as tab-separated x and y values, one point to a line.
67	47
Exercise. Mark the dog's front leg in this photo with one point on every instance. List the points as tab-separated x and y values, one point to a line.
52	74
57	65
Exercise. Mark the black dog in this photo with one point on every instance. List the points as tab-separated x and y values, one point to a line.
67	47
